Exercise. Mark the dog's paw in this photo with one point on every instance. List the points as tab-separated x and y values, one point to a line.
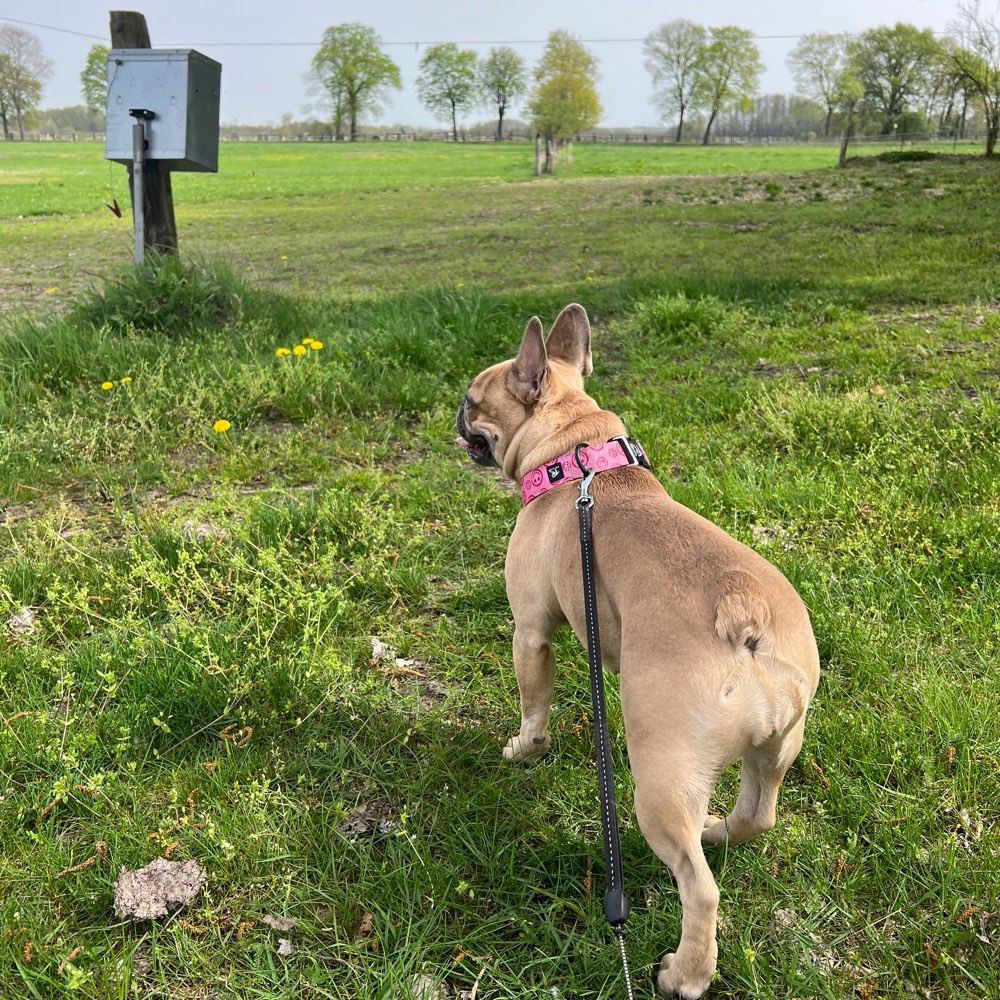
715	830
519	749
674	981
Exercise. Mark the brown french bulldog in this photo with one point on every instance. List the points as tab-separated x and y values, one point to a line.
714	648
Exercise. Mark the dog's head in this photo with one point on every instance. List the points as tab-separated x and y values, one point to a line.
509	407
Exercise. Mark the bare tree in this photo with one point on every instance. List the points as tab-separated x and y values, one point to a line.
673	54
977	59
23	69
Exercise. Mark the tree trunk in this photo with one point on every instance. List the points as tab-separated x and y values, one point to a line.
129	31
845	136
352	115
454	124
680	126
538	155
500	111
708	127
549	155
826	124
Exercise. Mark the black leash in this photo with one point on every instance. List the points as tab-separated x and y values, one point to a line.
615	900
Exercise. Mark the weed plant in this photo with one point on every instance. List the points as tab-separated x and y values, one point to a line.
252	614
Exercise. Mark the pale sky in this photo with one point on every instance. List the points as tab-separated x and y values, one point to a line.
265	46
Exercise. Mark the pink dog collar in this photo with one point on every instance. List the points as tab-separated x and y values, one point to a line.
617	453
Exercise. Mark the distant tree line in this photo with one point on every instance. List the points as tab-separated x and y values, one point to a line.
904	80
705	81
886	81
355	76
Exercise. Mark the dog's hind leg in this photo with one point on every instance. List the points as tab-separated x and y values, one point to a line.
761	774
671	823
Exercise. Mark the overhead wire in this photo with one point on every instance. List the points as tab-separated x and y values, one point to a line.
411	43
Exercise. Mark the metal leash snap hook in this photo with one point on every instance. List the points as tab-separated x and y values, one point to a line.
584	499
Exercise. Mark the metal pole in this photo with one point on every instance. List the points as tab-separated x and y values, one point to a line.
141	116
138	209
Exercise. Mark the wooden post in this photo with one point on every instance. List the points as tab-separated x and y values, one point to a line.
129	31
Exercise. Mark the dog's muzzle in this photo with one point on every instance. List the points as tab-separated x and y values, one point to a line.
476	445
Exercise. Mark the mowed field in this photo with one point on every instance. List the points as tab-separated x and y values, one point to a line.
252	610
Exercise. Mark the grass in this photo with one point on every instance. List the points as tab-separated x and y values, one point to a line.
196	676
72	178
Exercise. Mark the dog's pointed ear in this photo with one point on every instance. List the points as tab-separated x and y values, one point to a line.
529	366
569	339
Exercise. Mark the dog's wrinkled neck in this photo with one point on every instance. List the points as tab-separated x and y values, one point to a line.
547	433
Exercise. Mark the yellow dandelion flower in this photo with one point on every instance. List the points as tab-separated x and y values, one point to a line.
51	291
299	350
221	426
316	345
282	352
460	284
590	277
107	385
126	379
284	256
307	341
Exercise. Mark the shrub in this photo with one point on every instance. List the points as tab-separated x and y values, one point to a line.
906	155
166	294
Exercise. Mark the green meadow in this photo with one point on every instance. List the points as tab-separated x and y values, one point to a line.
252	610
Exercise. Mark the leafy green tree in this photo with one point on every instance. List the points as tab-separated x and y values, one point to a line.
894	64
502	79
817	63
728	71
564	99
448	82
850	91
23	69
673	55
355	73
947	94
977	59
94	79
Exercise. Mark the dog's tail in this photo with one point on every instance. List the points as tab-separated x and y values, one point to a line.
777	689
742	614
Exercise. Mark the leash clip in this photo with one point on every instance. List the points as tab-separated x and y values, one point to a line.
584	499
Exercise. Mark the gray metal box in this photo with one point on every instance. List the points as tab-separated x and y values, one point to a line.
181	87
